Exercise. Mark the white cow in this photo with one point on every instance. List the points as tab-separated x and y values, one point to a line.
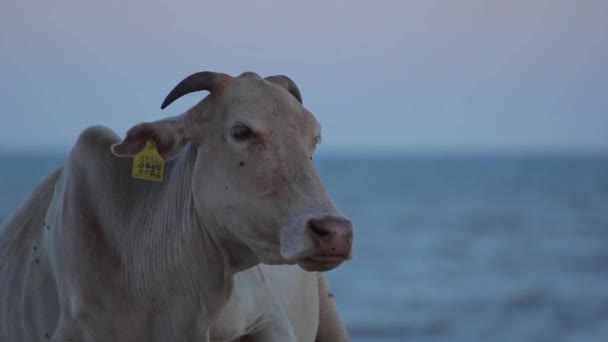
96	255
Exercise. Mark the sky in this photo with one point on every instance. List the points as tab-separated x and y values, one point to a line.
381	76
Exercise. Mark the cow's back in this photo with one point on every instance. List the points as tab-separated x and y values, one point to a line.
28	296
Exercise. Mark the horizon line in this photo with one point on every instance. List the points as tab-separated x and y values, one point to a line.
371	152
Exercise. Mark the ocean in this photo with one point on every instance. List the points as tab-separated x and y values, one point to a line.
454	248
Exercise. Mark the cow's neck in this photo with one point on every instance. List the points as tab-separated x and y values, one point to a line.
183	253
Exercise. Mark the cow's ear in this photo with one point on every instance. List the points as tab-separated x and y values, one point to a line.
167	134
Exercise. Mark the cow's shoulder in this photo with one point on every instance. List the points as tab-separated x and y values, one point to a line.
91	156
96	139
92	147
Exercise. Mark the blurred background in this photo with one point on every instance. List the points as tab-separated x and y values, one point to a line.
467	141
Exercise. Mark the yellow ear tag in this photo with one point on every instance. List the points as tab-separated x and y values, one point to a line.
149	164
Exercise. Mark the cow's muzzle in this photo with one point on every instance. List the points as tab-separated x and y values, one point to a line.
332	237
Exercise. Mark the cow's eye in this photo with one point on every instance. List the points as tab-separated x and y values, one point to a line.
241	132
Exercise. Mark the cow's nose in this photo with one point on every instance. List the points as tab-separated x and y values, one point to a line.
333	233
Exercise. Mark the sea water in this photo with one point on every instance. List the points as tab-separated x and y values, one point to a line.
453	248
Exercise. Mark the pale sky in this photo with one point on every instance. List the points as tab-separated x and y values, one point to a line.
396	76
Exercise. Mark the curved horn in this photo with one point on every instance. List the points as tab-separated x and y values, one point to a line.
204	80
286	83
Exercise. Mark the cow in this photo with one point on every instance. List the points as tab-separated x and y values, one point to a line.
96	253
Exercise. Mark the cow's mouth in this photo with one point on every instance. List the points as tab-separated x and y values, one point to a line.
321	263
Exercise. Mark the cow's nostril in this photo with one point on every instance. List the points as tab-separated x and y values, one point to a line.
318	228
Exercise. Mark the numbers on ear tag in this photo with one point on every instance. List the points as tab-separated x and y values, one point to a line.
149	164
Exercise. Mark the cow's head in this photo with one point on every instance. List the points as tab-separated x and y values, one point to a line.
254	175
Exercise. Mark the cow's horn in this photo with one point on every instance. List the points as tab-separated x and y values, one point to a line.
204	80
286	83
